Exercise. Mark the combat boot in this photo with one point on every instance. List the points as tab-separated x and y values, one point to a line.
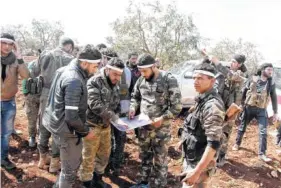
98	182
32	142
54	165
87	184
44	160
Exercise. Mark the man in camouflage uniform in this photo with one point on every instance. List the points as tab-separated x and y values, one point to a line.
157	95
48	63
103	107
229	85
118	138
256	98
32	103
202	130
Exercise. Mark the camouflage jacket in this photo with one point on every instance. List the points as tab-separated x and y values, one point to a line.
229	85
103	101
203	126
161	97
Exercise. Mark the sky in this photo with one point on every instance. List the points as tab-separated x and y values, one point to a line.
89	20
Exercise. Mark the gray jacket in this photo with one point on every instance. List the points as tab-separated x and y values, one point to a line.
65	112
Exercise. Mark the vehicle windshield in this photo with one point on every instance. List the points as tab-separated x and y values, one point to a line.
277	77
182	67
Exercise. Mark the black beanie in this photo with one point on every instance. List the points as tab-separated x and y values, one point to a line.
65	41
145	61
239	58
89	52
8	36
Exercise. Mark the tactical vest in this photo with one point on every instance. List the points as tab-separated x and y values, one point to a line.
195	139
258	98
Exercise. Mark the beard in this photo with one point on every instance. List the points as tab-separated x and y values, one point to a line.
109	81
266	75
133	64
150	78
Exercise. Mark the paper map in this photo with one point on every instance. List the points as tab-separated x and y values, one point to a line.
138	121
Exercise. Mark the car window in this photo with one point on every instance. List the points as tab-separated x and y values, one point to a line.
277	77
182	68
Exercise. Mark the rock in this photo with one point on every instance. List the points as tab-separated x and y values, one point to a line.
46	167
274	174
31	175
31	163
268	175
24	177
20	160
23	152
279	170
35	155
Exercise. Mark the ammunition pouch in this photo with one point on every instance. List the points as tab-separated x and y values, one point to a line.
195	139
34	85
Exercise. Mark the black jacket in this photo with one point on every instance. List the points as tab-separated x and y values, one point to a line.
65	112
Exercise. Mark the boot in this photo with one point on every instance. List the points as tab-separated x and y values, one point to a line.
87	184
98	182
44	160
32	142
7	164
54	165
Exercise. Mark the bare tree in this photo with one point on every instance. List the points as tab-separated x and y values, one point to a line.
41	34
226	48
152	28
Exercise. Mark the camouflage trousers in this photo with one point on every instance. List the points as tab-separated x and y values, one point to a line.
32	103
118	140
95	153
227	130
44	134
153	154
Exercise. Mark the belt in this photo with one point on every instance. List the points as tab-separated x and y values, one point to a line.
96	125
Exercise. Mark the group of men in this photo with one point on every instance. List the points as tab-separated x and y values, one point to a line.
78	99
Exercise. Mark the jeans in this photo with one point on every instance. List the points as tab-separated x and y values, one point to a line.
260	114
8	114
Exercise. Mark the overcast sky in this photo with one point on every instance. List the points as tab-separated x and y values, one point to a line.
89	20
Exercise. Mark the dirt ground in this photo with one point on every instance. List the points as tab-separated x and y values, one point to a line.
243	168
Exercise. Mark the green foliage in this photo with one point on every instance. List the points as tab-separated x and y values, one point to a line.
161	31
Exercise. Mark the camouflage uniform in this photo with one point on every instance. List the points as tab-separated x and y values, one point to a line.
32	104
118	138
160	97
229	85
203	127
103	105
48	63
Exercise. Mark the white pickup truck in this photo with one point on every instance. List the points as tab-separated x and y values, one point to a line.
183	73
